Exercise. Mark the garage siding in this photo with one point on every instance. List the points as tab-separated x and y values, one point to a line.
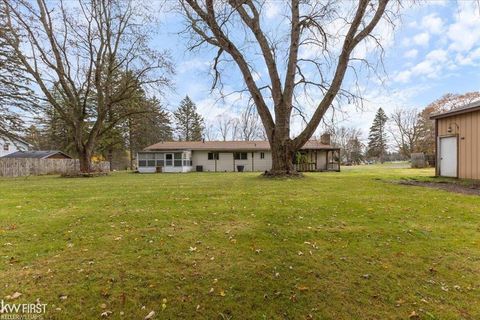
466	126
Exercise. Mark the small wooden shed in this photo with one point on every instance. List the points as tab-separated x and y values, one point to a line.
458	142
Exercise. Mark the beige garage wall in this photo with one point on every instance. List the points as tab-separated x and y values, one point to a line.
467	127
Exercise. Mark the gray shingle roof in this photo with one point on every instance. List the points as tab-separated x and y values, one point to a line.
228	145
471	107
35	154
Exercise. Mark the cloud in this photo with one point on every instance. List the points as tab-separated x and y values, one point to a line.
431	67
464	33
411	54
433	23
422	39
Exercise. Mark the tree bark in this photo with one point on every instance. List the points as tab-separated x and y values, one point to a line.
85	156
282	160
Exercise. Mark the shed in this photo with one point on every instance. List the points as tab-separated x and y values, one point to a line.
47	154
458	142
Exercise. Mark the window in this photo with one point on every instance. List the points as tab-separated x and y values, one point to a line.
6	146
240	155
213	156
177	159
168	159
262	155
142	163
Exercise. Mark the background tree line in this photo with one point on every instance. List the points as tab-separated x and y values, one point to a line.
397	135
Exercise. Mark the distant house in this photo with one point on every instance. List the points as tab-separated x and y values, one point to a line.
51	154
230	156
458	142
11	145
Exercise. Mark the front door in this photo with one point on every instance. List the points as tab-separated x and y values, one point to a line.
169	160
448	157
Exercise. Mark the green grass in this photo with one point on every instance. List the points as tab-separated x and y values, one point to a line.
346	245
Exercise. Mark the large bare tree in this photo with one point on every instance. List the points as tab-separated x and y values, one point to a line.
405	130
328	30
76	53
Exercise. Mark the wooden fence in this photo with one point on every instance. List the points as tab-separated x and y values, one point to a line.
19	167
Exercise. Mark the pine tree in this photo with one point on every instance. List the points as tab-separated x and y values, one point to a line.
377	138
15	94
189	125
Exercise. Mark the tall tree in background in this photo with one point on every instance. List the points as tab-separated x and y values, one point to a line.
147	128
236	29
377	138
15	94
189	125
426	127
250	124
349	140
80	49
405	130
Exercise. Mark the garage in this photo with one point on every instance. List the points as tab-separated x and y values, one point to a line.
458	142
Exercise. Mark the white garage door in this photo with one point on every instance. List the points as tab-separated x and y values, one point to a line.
448	157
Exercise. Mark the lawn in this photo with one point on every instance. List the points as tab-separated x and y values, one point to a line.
349	245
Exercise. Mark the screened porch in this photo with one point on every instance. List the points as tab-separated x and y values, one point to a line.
152	161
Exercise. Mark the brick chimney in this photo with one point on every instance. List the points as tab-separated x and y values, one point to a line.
325	138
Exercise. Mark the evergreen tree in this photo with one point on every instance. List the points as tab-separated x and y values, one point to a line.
15	94
377	138
152	126
189	125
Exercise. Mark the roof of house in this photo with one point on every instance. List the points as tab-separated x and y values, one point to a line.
228	145
36	154
471	107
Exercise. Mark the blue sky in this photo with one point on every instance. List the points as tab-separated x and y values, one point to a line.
434	50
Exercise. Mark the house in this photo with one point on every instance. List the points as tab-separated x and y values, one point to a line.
458	142
230	156
11	145
51	154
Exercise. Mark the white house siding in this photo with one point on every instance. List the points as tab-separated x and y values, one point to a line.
225	162
13	146
262	164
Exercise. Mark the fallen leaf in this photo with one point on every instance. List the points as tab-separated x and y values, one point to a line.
150	315
222	293
14	296
414	315
106	313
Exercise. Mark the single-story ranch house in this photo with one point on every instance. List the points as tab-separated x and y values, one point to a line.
458	142
223	156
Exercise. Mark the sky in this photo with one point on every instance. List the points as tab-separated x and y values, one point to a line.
433	50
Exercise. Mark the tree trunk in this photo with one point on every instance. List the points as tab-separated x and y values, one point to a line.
85	160
282	158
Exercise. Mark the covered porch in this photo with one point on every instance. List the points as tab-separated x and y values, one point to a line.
311	160
164	161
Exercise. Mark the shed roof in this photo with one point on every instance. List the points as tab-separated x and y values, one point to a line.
471	107
228	145
44	154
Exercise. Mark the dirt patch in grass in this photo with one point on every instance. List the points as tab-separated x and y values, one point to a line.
447	186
